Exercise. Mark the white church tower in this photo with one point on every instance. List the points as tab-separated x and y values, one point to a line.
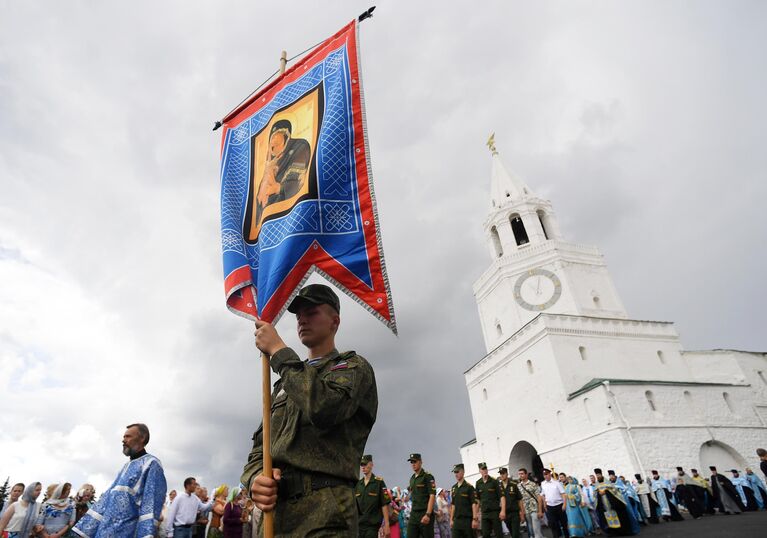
570	381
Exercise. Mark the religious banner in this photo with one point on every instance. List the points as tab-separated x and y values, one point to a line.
297	188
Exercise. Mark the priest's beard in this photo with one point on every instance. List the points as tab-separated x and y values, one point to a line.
128	451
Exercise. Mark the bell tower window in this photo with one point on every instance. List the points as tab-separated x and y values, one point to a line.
496	241
541	219
518	227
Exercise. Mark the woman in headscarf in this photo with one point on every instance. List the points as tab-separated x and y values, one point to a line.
578	518
214	531
233	515
20	517
57	515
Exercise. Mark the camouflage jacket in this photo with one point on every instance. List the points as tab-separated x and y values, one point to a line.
322	413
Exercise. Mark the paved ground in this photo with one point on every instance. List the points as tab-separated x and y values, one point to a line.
746	525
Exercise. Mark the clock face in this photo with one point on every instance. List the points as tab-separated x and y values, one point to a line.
537	289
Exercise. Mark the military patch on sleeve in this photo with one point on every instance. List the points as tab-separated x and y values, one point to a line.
340	366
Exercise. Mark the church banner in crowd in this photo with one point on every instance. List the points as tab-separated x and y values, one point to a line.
297	188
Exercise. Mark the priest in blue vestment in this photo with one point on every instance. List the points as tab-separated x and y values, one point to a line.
743	488
661	487
132	505
760	492
613	508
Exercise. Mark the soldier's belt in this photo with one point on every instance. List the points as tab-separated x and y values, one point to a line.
294	484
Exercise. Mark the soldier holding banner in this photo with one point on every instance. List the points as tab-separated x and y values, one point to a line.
322	412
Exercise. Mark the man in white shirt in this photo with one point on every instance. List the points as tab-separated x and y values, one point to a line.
553	493
182	513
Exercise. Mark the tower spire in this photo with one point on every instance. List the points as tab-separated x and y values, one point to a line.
504	187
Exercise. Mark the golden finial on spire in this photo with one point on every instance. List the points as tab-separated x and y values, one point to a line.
491	144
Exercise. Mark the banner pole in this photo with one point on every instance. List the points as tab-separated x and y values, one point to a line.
266	435
266	390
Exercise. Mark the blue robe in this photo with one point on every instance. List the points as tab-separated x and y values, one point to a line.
578	518
758	487
132	505
632	499
741	484
659	488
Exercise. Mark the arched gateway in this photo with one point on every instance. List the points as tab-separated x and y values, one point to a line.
721	455
525	455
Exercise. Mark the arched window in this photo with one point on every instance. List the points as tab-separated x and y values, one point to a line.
596	300
518	228
661	358
529	367
498	329
728	401
582	351
484	394
586	409
650	399
559	422
496	241
542	219
535	428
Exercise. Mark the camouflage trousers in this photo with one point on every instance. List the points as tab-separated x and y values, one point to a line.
323	513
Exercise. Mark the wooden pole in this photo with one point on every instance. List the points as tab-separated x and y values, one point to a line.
283	61
266	435
266	390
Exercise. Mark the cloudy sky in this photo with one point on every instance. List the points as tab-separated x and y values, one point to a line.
643	122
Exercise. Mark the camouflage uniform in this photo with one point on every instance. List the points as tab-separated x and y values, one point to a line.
322	413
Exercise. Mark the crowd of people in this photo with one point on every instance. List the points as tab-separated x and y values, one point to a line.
608	504
228	514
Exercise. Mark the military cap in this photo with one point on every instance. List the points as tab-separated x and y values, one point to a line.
315	294
457	467
415	456
610	472
680	469
546	471
503	470
367	458
482	465
597	471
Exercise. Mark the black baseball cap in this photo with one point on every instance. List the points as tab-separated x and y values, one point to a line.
315	294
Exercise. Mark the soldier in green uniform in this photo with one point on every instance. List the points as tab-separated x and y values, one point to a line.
515	510
491	502
372	501
422	494
322	412
464	509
